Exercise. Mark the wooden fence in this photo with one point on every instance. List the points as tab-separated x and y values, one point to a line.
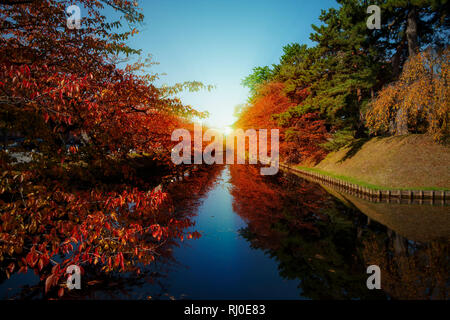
374	194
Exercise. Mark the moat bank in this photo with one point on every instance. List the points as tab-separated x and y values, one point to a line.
405	162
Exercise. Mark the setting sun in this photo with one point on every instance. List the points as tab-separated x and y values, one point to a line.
227	130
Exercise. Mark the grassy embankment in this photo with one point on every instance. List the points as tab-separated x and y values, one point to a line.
412	162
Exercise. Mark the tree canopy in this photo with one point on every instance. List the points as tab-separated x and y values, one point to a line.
339	78
73	107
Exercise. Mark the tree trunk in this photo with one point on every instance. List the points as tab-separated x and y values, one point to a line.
411	32
401	119
396	63
401	122
398	58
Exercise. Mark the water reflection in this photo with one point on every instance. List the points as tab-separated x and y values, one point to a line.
96	284
313	238
279	237
327	244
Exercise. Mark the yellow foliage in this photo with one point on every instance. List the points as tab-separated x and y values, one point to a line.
421	92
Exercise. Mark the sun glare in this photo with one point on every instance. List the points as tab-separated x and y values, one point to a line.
227	130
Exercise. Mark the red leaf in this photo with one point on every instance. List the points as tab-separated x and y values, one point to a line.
41	264
49	282
11	267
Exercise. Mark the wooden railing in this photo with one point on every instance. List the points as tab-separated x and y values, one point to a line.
371	193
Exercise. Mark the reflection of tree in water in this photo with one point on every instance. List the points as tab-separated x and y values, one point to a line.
184	198
410	270
188	194
328	246
96	284
313	238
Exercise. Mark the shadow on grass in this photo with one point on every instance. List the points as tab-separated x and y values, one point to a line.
354	147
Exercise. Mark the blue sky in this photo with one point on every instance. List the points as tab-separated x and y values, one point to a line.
219	42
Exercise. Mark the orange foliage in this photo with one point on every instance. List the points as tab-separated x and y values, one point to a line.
300	137
420	98
262	202
269	101
304	138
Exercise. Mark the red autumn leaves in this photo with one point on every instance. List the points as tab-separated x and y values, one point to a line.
301	137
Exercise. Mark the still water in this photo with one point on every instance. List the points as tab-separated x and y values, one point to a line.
281	237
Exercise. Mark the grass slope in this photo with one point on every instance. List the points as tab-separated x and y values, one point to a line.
404	162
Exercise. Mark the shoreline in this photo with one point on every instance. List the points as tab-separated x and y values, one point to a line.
372	192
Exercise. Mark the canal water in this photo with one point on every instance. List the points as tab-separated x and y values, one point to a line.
282	237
